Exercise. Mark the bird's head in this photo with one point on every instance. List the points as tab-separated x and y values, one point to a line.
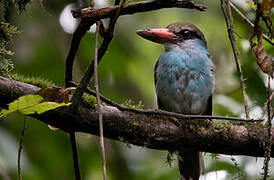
176	33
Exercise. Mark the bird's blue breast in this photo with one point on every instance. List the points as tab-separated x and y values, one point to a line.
184	80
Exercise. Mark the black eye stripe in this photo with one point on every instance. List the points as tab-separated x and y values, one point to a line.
184	32
187	34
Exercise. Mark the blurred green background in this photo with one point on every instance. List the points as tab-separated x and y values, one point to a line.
126	72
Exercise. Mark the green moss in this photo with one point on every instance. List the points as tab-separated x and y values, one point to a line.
38	81
89	99
130	104
227	124
220	127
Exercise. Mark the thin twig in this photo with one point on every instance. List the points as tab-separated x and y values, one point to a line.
236	164
269	124
100	117
265	105
167	113
230	30
75	156
248	21
21	147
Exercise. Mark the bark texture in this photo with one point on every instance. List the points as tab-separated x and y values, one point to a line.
151	131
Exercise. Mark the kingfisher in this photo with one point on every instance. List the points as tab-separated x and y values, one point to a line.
184	81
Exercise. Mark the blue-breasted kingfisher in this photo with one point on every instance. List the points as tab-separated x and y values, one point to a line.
184	81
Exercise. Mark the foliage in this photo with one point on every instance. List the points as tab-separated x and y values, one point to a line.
7	32
6	64
31	104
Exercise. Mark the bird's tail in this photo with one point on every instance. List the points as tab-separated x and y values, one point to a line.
191	164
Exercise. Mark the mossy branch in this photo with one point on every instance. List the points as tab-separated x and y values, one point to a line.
151	131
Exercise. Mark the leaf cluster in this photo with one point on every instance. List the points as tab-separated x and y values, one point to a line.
7	32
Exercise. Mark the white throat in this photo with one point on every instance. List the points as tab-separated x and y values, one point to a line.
186	45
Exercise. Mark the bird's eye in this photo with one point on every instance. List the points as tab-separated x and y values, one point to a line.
185	34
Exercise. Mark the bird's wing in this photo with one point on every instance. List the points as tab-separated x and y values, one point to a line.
155	77
159	103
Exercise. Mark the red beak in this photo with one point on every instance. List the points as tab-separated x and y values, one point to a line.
158	35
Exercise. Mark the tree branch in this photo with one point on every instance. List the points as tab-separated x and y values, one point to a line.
151	131
97	14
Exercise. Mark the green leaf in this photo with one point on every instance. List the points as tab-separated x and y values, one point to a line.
252	5
31	104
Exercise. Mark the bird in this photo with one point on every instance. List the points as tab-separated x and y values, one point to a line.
184	80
